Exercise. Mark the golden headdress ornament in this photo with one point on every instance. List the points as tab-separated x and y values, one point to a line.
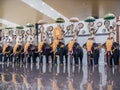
57	33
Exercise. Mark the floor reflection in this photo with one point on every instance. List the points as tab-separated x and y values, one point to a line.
58	77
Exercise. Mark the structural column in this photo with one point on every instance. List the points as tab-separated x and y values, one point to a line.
117	30
95	8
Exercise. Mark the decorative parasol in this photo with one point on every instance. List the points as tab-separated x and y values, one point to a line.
19	27
90	19
30	25
74	19
8	27
109	16
60	20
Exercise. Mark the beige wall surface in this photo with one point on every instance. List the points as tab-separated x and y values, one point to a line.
85	8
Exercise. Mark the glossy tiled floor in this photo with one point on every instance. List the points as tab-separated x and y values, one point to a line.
58	77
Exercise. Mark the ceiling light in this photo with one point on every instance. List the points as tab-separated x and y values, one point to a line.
43	3
51	9
48	15
41	10
32	5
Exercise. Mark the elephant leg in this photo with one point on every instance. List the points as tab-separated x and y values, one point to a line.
66	59
14	58
34	57
41	58
91	59
47	58
25	58
95	61
22	57
56	59
80	58
5	58
37	59
109	59
11	57
0	57
52	57
111	63
29	58
61	58
18	58
96	58
88	59
116	58
76	59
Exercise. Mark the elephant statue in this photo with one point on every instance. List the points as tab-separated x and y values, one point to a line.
93	51
0	52
112	51
74	49
18	50
0	48
7	51
60	51
44	49
58	46
111	47
30	50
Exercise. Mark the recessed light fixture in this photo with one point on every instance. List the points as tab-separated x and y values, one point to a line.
41	10
43	3
51	9
32	5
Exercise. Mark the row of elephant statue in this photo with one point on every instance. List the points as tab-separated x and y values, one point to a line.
71	51
32	52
